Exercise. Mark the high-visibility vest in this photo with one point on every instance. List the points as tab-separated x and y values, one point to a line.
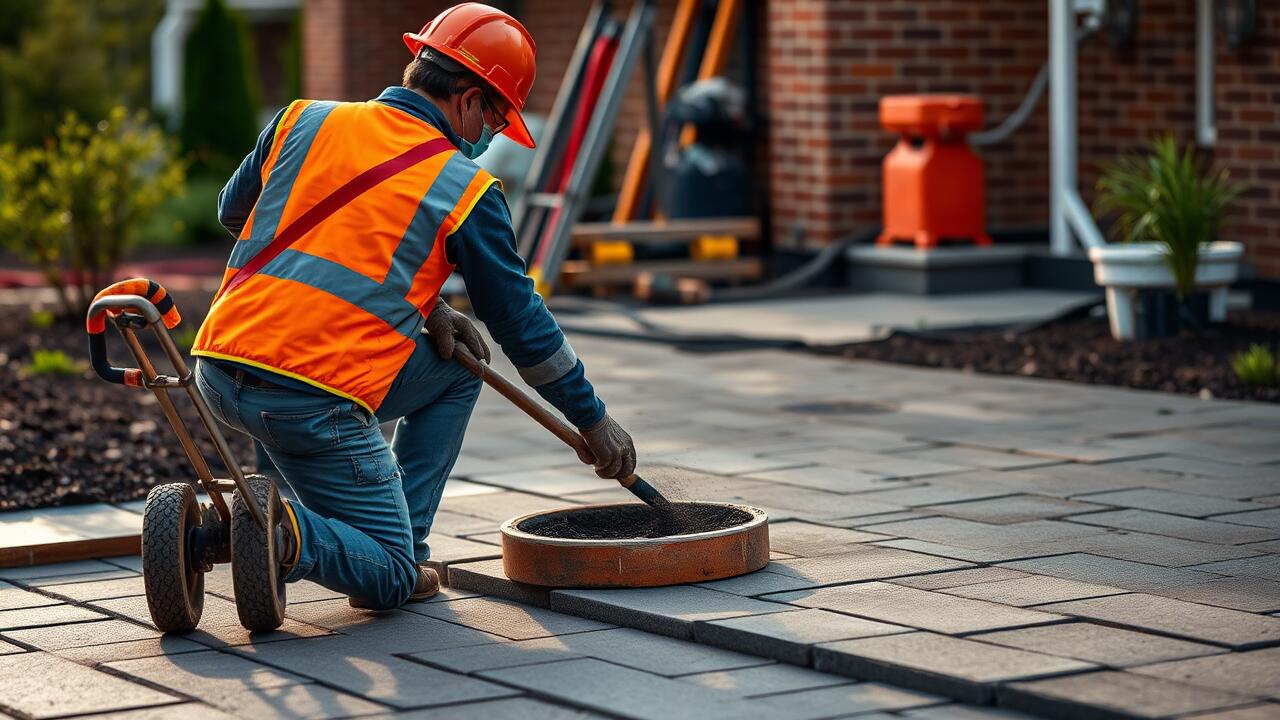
341	307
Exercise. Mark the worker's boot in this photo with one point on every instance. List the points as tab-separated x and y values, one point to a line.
427	586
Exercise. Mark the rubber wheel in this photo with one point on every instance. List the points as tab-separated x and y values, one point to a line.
175	588
255	565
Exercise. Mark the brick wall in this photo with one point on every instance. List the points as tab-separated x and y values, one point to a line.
827	62
824	64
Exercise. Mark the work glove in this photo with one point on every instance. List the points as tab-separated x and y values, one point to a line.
615	453
446	326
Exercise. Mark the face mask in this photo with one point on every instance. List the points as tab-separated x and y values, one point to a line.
476	149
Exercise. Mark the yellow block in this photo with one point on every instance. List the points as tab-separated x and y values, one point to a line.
714	247
539	285
611	252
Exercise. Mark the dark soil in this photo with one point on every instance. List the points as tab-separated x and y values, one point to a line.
77	439
632	521
1080	349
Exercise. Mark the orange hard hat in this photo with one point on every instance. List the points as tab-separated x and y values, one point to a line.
491	44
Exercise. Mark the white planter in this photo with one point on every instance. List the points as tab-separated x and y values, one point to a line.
1125	269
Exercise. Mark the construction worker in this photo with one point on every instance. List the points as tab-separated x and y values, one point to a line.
349	217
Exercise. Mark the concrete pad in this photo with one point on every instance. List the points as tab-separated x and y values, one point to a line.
73	635
864	562
292	702
1216	626
45	616
1032	590
1264	566
830	479
804	539
1114	694
666	610
645	651
1003	553
507	619
205	673
1238	593
1012	509
1177	526
954	667
398	631
1173	503
760	582
764	680
966	533
1159	549
1108	571
788	636
13	597
219	623
1253	673
958	578
917	608
1109	646
475	658
99	589
130	650
518	708
854	698
356	666
40	685
1268	518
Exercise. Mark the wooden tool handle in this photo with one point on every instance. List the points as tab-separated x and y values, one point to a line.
558	427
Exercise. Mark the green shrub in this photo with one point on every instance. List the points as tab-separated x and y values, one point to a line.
186	337
220	109
187	218
1167	196
41	319
73	206
53	362
1257	366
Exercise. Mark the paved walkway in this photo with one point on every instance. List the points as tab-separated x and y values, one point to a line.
942	542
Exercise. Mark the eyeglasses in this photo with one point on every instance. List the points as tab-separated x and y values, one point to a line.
501	123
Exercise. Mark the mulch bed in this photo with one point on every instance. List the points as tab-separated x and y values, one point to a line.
1080	349
77	439
634	520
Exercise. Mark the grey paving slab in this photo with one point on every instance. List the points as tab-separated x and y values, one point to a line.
1239	593
1263	566
979	457
446	549
1178	526
13	597
788	636
556	481
1255	673
829	478
765	680
61	637
864	562
853	699
1114	694
967	533
203	674
1109	646
507	619
1177	618
367	670
186	711
517	708
487	578
648	652
804	539
667	610
1032	590
954	667
1110	571
399	631
729	461
922	609
500	506
935	492
1012	509
957	578
79	567
620	691
1173	503
40	685
45	616
289	702
99	589
474	658
760	582
996	554
780	501
964	712
1158	549
219	623
1267	518
1265	711
130	650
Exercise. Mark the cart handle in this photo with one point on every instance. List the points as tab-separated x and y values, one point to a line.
139	294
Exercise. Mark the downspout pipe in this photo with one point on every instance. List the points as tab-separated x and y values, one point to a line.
1206	127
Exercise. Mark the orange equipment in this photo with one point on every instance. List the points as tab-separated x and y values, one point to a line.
493	45
933	182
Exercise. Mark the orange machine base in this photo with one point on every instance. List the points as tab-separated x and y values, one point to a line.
924	239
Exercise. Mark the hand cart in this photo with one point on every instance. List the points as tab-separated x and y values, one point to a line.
183	538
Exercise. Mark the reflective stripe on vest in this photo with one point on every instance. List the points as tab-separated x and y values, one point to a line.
342	308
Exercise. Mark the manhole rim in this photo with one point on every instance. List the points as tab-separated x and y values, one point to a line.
510	529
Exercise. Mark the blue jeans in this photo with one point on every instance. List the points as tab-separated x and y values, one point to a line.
366	505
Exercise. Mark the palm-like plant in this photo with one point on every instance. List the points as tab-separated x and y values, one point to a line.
1168	196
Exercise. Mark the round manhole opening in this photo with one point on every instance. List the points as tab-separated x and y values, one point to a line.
633	521
841	407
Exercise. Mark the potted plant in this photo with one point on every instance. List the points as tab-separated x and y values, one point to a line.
1170	273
